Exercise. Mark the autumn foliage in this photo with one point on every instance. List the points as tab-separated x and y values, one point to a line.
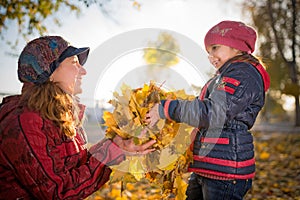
149	177
164	167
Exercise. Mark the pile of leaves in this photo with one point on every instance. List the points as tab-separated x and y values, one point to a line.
164	167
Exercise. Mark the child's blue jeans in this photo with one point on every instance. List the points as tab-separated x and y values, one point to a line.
201	188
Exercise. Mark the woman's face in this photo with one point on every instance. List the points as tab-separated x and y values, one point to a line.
68	75
219	54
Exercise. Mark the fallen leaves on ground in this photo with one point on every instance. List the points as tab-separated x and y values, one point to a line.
277	167
277	173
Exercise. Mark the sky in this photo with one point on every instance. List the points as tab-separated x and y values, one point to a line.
187	20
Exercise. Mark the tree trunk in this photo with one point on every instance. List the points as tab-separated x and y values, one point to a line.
294	77
297	111
291	63
294	68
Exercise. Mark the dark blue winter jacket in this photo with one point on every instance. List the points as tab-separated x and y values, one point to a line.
223	113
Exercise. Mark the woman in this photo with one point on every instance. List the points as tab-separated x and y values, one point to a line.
223	154
43	145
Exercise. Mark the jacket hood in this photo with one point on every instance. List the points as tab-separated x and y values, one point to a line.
265	76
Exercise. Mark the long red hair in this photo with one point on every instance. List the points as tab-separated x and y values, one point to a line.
53	104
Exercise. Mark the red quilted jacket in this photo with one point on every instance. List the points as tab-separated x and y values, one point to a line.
37	163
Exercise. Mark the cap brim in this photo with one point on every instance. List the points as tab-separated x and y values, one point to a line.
82	54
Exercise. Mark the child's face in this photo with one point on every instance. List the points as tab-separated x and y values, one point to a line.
218	54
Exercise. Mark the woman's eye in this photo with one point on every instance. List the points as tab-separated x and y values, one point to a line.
75	61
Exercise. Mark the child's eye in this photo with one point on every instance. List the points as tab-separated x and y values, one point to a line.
214	47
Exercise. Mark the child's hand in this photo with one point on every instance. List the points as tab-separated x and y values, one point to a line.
152	116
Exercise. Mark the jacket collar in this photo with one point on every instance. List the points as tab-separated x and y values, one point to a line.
262	71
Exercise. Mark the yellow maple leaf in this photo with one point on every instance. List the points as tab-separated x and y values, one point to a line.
136	168
181	187
264	155
109	119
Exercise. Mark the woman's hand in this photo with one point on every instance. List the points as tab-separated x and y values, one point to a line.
128	146
152	116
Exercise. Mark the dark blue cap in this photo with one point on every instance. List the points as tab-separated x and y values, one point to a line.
82	54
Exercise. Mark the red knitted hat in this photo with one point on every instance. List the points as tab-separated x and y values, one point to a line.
233	34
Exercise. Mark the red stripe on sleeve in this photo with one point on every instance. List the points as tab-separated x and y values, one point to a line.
166	109
227	89
231	81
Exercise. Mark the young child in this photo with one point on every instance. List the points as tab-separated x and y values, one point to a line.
223	152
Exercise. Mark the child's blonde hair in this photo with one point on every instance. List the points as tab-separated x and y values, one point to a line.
245	57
